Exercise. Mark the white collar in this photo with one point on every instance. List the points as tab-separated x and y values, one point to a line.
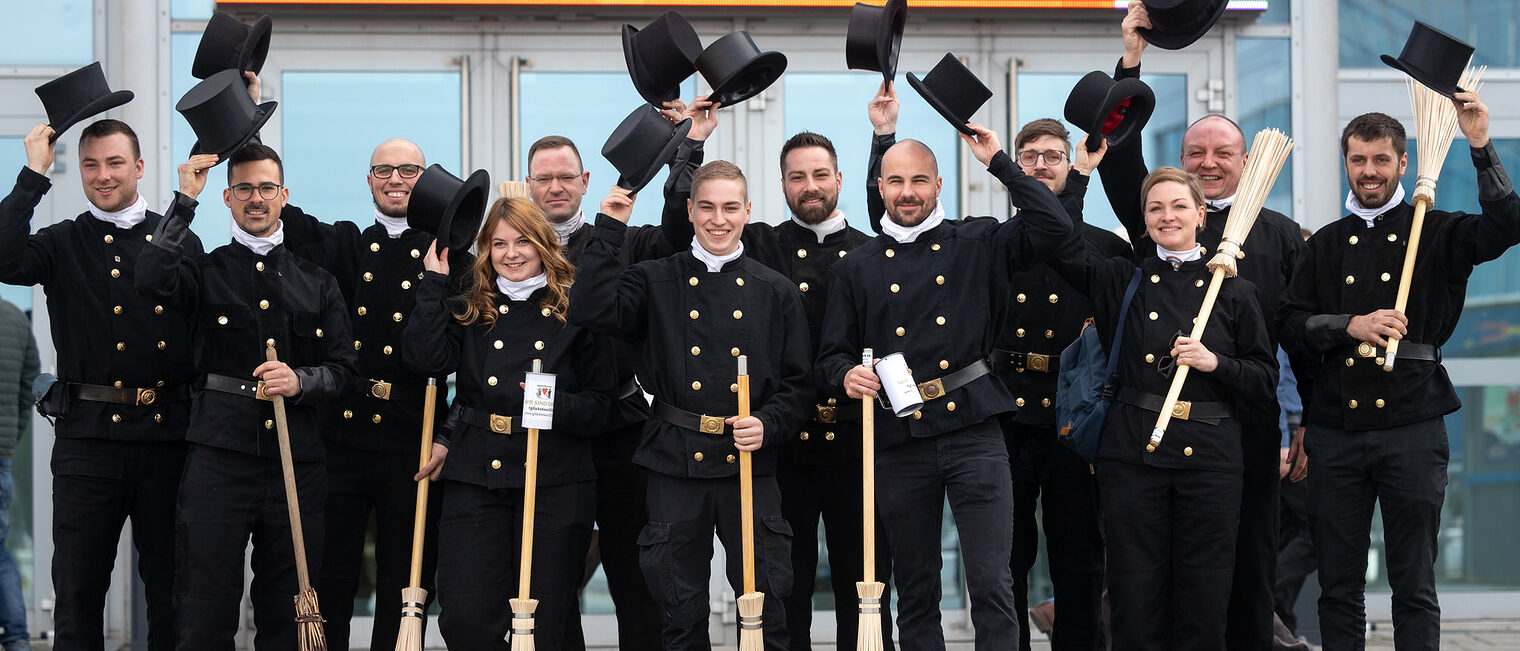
1220	205
1176	258
563	230
825	228
394	226
518	290
125	218
259	245
714	263
906	235
1370	215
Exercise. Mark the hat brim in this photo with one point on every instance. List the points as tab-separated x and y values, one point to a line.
95	107
634	185
1181	38
1425	78
468	204
256	47
939	105
266	111
749	81
894	19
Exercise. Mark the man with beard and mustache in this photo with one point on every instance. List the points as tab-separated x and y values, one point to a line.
819	471
1214	148
1377	436
937	290
126	369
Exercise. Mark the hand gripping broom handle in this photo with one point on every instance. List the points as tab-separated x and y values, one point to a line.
746	486
419	523
530	497
292	499
1180	376
1406	276
868	473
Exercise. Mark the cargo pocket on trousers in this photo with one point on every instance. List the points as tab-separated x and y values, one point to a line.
655	560
777	539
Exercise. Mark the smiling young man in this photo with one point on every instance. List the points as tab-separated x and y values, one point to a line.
125	369
686	320
1372	435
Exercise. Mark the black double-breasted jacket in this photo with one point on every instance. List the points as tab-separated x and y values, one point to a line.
940	301
686	327
105	332
490	361
238	301
1353	269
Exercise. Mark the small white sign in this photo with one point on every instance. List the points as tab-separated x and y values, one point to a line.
538	401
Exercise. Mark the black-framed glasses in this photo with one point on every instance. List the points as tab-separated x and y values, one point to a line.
1167	363
244	191
564	179
408	171
1053	157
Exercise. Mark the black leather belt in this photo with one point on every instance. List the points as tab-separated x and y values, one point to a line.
1209	413
703	423
386	391
488	421
127	395
630	390
236	386
1038	362
938	387
1364	350
829	414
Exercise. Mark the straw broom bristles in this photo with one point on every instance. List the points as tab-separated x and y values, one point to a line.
308	615
868	633
1268	153
1435	125
413	597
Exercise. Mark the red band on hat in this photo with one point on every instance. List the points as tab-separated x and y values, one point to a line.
1116	116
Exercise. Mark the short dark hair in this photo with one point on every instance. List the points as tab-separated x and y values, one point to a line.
254	151
719	169
1040	128
1369	127
809	139
554	142
110	127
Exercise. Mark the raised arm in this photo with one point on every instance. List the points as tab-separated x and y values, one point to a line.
674	221
164	272
1476	239
24	259
433	338
882	111
606	298
1041	225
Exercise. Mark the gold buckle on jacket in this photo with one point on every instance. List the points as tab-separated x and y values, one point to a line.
380	389
501	424
932	389
1182	409
146	397
1037	362
260	393
825	413
710	424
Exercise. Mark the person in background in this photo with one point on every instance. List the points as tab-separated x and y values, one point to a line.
18	367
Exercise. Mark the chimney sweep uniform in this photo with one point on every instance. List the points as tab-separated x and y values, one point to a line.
126	367
481	518
940	300
232	486
1376	435
686	327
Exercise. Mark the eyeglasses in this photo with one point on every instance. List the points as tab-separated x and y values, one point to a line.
566	179
1168	363
244	191
1052	157
407	171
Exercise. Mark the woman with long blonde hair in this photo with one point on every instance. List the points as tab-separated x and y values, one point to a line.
512	314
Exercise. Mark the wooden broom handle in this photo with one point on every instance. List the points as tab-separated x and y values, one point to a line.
868	484
530	498
1406	276
746	496
1180	376
419	521
287	467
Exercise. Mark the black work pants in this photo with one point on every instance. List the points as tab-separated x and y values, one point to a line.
913	480
1044	469
1295	551
1248	625
361	483
226	498
1403	470
620	515
98	485
831	493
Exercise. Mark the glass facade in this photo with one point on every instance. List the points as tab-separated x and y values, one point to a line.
67	39
12	159
1369	28
1265	90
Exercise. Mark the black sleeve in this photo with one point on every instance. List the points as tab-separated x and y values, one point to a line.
433	338
1475	239
677	227
1123	170
1306	331
164	272
783	412
605	298
338	371
1252	371
584	412
840	347
876	207
1039	227
24	259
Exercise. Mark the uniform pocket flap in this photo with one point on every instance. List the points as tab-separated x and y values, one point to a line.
653	534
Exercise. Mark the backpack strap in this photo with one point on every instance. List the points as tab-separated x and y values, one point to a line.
1113	353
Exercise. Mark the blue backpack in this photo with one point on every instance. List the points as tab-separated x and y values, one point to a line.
1088	381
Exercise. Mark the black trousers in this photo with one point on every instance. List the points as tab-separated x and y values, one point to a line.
1248	624
620	515
227	497
1073	541
1171	554
97	486
1403	470
970	467
675	550
1295	551
361	483
480	555
831	493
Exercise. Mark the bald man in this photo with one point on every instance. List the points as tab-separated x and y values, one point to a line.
373	435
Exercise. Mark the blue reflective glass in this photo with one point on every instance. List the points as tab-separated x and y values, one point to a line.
1372	27
1278	11
56	32
1266	90
12	159
191	9
846	125
553	103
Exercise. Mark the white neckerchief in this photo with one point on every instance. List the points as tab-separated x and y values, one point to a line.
125	218
1369	215
394	226
1176	258
259	245
518	290
825	228
564	229
906	235
1220	205
714	263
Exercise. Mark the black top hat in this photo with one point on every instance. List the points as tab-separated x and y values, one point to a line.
661	56
69	99
448	207
222	114
874	37
228	43
1433	58
1115	110
953	91
642	144
1176	24
737	70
